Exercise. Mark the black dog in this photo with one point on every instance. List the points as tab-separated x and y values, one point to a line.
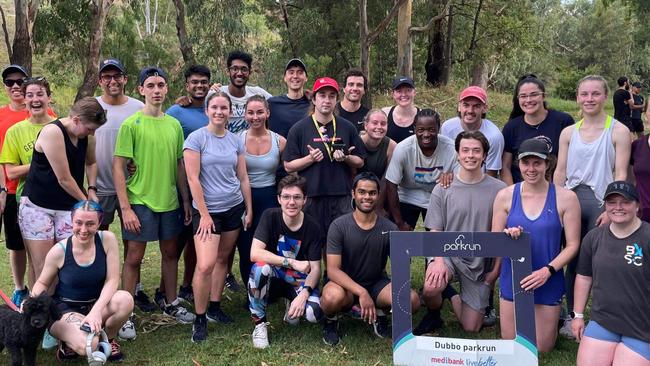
22	332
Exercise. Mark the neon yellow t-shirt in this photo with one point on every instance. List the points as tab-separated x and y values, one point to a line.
19	147
155	144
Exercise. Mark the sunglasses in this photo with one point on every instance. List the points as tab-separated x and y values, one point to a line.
11	82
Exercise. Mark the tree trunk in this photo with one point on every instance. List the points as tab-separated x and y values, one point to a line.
100	10
404	47
438	64
292	40
365	48
181	31
23	45
6	34
480	73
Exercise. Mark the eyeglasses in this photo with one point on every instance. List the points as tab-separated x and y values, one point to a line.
11	82
107	78
237	69
529	96
288	197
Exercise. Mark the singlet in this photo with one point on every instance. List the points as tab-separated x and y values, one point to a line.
398	133
42	186
591	164
262	168
545	234
377	160
81	282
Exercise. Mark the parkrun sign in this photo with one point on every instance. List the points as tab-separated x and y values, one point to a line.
410	350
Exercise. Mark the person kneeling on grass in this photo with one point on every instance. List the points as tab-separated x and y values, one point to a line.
358	245
286	254
88	271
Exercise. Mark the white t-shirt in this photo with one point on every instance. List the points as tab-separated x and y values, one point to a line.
452	127
236	122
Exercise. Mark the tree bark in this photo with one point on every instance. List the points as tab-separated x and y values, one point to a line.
100	10
6	34
23	45
404	47
285	18
181	31
480	73
438	64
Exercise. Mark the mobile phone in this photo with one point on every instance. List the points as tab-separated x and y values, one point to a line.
338	146
85	327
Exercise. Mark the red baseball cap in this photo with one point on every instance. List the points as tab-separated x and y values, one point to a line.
325	82
475	92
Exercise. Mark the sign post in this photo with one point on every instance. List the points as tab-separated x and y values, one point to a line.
419	350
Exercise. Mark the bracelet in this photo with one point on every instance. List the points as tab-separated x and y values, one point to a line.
94	188
551	269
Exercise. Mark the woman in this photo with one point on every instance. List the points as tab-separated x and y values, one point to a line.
62	153
613	267
263	149
216	172
87	266
530	117
542	209
379	148
641	169
401	116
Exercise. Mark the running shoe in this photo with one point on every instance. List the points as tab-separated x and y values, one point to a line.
186	294
381	327
260	336
291	321
429	323
127	331
200	330
19	295
218	316
49	342
159	299
178	312
330	332
232	284
490	318
116	352
143	302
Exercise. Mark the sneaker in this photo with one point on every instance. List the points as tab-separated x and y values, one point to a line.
218	316
260	336
159	299
19	295
291	321
116	352
565	331
490	318
232	284
381	327
330	332
127	331
64	353
186	294
143	302
199	330
178	312
49	342
429	323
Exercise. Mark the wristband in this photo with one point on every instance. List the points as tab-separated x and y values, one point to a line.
94	188
575	315
551	269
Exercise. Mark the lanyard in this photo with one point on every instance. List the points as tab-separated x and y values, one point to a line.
326	141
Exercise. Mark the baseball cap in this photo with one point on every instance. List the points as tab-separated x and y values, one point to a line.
325	82
14	68
534	147
474	92
403	80
623	188
296	62
111	62
636	84
149	72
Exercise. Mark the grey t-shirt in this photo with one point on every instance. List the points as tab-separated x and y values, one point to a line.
452	127
105	137
236	122
464	207
364	253
415	174
218	176
620	272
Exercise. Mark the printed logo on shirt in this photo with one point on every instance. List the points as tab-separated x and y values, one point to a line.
426	176
634	255
29	146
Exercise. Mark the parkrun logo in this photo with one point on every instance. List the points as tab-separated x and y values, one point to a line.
458	244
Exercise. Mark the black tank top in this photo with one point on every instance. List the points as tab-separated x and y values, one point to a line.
398	133
42	187
377	160
82	283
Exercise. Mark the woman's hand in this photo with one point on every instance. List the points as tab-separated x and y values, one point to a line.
206	226
536	279
94	320
578	328
514	232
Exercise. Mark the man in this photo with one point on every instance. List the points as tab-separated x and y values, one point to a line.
358	245
324	149
350	107
622	100
286	253
419	163
472	107
149	201
637	107
466	205
239	69
290	108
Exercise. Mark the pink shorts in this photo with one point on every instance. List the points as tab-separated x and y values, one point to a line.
38	223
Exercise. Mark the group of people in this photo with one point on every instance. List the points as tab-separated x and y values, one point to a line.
307	186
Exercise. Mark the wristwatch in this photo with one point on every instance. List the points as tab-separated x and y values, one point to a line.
551	269
309	289
285	262
575	315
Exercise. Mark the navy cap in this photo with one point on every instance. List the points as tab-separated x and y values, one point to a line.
534	147
111	62
14	68
636	84
403	80
296	62
150	71
623	188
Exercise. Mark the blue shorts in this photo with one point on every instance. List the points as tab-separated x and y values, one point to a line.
597	331
155	226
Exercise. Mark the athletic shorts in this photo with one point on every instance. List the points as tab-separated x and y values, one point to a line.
38	223
154	226
13	238
411	213
223	221
637	124
67	306
110	205
476	294
374	289
326	209
597	331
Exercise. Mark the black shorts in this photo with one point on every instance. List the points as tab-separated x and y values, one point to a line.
13	238
223	221
326	209
411	213
374	289
637	125
66	306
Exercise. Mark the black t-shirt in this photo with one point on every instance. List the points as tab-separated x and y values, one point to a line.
638	100
620	272
517	131
327	177
304	244
285	112
364	253
621	109
355	117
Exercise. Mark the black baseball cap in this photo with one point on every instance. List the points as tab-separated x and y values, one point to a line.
296	62
534	147
150	71
403	80
111	62
636	84
623	188
14	68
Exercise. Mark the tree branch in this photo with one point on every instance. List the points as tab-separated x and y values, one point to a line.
372	36
433	20
6	34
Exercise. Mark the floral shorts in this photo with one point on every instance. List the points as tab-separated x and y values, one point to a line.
38	223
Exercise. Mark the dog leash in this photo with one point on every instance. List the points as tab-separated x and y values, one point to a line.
6	299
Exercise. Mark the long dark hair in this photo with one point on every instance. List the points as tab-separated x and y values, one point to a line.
525	79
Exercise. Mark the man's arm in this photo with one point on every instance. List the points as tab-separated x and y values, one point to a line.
130	220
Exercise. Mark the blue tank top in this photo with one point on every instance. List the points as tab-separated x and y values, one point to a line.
545	235
82	283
